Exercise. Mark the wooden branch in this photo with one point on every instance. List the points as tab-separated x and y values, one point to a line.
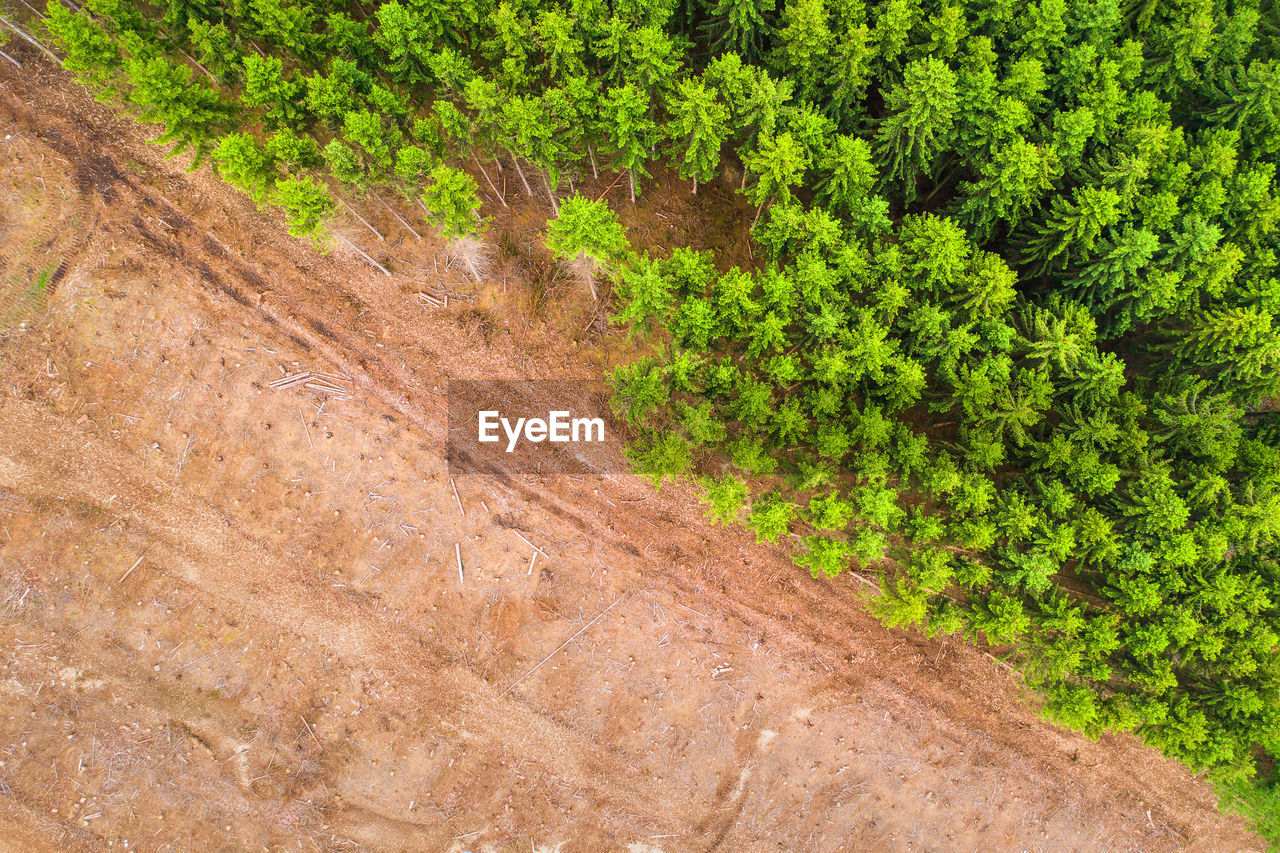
562	645
135	565
530	544
616	181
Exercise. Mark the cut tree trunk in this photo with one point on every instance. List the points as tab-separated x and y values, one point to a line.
364	255
515	161
207	73
631	173
38	13
364	221
488	180
27	37
398	217
551	195
590	274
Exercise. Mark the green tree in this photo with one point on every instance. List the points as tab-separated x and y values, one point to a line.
770	516
404	36
823	555
921	116
192	113
900	604
266	86
697	128
1072	227
587	234
245	165
378	141
452	200
804	45
306	205
779	164
644	291
724	498
849	173
630	132
343	163
740	25
639	390
660	456
88	52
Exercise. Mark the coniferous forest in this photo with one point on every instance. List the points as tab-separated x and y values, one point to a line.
1012	336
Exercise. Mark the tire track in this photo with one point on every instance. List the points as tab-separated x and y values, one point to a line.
815	621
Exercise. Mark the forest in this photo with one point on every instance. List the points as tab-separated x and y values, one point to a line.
1011	338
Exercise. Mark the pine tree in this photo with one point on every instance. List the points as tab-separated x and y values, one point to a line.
824	556
698	128
629	131
192	113
378	141
331	96
562	49
1072	227
922	112
306	205
849	174
644	291
344	164
451	198
292	152
724	498
287	24
652	63
804	45
639	390
659	456
244	164
88	52
851	72
900	604
1009	186
218	49
741	26
770	516
404	35
349	38
587	234
763	111
265	85
778	165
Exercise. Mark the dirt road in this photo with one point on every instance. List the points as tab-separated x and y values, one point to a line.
236	615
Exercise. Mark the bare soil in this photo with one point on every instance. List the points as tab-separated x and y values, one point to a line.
233	615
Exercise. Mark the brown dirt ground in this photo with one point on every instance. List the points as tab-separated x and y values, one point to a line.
294	664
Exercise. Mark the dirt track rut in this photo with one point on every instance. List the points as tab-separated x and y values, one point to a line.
809	726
